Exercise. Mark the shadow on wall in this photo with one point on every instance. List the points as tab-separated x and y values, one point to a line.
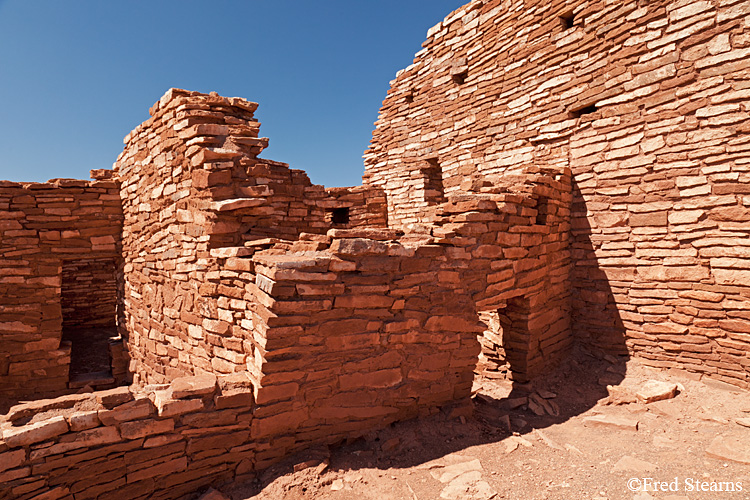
597	322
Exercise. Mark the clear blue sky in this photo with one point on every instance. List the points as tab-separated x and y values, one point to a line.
77	75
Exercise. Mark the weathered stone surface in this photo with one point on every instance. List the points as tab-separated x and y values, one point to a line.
730	448
143	428
12	459
605	195
114	397
35	433
656	390
82	420
628	463
611	421
186	387
140	408
169	407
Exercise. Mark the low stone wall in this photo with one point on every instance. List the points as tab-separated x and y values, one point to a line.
156	442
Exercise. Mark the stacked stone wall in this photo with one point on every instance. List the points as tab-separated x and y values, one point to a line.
646	102
43	226
199	201
327	338
89	292
162	442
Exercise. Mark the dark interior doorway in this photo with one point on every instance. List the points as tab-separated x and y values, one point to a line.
505	341
89	304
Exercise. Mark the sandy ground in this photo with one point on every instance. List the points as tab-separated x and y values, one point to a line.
563	437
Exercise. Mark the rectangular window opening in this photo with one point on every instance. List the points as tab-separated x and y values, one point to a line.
433	181
460	78
567	20
586	110
542	211
340	216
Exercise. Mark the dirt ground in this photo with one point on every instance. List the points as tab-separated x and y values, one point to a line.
563	437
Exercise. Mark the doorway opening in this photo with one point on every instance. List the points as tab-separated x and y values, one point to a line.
505	341
89	309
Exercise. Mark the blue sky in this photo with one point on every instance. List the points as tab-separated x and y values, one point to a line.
77	75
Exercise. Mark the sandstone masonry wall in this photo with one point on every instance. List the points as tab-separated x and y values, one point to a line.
314	343
646	102
163	442
89	292
42	228
196	194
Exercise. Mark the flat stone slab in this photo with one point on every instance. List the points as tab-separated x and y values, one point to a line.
114	397
730	448
611	421
31	408
35	433
451	472
655	390
199	385
366	233
628	463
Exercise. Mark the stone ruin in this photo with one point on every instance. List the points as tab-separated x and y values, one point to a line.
546	176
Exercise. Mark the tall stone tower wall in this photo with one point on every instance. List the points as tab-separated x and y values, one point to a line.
647	103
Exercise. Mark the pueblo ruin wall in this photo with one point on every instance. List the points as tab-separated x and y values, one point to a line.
544	174
262	314
48	230
647	104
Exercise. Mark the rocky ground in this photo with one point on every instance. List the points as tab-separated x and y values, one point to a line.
566	436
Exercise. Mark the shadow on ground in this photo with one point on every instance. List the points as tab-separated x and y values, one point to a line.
573	388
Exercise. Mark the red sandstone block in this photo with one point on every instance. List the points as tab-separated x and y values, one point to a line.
234	399
162	440
301	307
168	407
140	408
160	470
344	414
215	326
275	393
12	459
187	387
142	428
452	324
278	424
223	366
114	397
13	474
363	301
377	379
354	341
735	325
310	289
84	439
35	433
82	420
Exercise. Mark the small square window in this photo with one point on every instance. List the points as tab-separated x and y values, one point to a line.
567	20
340	215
